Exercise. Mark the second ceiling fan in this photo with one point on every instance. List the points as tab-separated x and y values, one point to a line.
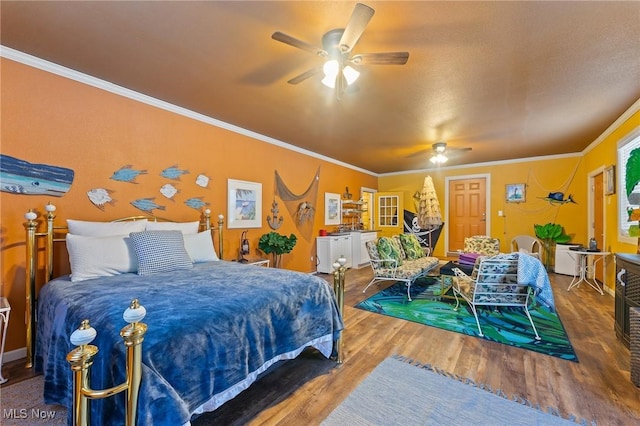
440	150
337	47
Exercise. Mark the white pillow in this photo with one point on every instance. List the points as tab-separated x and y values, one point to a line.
104	229
93	257
200	247
185	227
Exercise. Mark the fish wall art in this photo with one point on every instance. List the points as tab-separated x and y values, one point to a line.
100	197
127	174
196	203
202	180
147	205
169	191
173	173
22	177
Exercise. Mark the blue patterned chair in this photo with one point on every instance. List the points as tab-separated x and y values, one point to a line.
493	282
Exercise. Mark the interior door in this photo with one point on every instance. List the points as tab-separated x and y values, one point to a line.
389	213
598	221
467	210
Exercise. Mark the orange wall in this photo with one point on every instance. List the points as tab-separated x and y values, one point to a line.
57	121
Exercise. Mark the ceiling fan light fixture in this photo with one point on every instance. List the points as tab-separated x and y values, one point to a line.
331	69
438	158
350	74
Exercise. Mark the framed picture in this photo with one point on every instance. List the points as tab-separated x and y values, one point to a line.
516	192
331	208
244	204
610	180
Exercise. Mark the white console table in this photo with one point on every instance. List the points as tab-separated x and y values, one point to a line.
5	310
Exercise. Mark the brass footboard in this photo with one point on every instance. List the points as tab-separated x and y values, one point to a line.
81	359
339	271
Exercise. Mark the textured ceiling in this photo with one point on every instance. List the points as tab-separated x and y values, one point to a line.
508	79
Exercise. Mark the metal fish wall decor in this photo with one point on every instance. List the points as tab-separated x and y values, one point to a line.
22	177
169	191
100	196
127	174
147	205
173	172
202	180
196	203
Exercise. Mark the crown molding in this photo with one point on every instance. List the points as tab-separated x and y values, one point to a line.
41	64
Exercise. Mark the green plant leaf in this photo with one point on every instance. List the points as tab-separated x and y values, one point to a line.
274	242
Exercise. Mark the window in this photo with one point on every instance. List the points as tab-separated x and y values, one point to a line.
629	187
388	210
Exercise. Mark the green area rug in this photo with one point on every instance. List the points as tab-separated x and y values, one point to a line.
505	325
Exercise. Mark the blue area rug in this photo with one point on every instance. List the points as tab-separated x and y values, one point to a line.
402	392
505	325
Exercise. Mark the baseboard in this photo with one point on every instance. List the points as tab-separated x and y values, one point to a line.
14	355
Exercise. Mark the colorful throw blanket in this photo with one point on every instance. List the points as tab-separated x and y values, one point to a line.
531	271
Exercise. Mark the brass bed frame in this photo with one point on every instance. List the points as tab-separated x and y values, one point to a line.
81	358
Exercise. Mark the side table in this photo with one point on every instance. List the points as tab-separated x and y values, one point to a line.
584	269
5	310
256	261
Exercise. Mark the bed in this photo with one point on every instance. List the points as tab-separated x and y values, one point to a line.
213	327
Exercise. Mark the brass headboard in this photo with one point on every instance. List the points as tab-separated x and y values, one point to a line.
53	234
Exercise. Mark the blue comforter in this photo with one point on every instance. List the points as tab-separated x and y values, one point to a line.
211	331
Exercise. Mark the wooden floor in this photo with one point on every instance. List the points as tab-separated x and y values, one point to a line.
306	390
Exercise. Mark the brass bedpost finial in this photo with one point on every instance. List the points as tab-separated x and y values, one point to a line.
207	219
220	240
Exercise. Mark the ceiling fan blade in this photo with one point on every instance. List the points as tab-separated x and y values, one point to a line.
305	75
385	58
360	17
292	41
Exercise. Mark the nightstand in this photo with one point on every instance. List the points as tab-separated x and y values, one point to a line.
256	261
5	310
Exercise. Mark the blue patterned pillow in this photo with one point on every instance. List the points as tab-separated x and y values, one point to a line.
160	251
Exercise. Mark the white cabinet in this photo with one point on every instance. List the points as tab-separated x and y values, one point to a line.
565	260
330	248
359	251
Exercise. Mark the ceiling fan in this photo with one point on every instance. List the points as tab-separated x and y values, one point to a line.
337	47
440	150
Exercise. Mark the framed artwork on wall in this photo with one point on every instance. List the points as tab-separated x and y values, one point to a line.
515	193
610	180
331	208
244	204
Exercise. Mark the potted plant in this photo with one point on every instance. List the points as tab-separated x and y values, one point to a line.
276	245
550	234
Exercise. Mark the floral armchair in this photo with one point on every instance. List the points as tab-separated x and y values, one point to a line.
482	244
493	282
